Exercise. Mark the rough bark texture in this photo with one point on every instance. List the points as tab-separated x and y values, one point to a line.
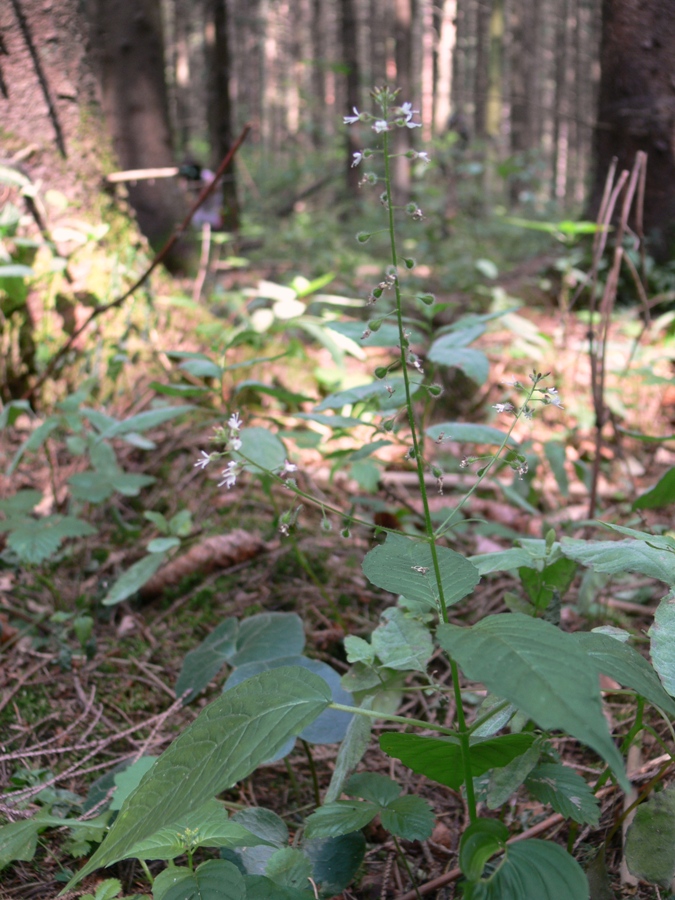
636	107
127	52
49	116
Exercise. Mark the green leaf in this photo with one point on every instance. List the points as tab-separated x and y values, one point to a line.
376	390
227	741
181	524
209	826
441	758
533	870
662	634
468	433
268	636
35	540
215	879
505	781
107	890
540	669
202	368
18	841
133	579
35	441
158	520
328	728
371	786
289	868
402	643
205	661
341	817
404	566
262	448
335	861
555	454
624	664
386	336
358	650
351	752
282	394
473	363
161	545
502	560
615	557
128	780
410	818
662	494
565	791
268	827
480	841
12	410
21	502
146	420
650	841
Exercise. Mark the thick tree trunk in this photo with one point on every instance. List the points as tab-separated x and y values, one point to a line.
636	107
128	58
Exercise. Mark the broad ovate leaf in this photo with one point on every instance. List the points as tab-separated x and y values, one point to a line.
650	840
404	566
532	869
226	742
440	759
624	664
564	790
540	669
205	661
662	634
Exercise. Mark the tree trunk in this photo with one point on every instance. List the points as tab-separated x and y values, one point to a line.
128	57
221	114
402	141
636	107
353	94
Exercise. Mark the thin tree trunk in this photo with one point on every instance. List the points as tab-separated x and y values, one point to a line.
353	93
220	107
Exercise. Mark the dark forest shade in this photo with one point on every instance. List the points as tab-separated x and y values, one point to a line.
636	108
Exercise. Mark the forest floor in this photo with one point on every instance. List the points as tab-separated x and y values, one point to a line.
66	719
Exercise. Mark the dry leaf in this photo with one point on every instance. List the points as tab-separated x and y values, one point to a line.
218	552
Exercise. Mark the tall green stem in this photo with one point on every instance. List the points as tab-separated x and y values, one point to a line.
419	462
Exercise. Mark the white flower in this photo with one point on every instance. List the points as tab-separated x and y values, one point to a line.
357	159
203	461
229	476
234	422
503	407
380	126
424	156
288	468
235	443
408	111
349	120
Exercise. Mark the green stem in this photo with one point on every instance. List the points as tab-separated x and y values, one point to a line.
447	524
146	870
312	770
402	720
463	733
404	860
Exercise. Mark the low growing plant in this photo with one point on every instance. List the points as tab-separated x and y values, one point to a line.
540	680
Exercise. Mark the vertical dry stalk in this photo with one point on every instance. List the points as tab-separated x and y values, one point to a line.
598	332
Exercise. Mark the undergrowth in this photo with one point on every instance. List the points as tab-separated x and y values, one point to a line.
498	694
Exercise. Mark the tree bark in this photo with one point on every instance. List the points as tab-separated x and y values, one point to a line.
350	58
221	112
636	108
128	58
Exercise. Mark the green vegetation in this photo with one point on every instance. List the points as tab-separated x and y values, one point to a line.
361	455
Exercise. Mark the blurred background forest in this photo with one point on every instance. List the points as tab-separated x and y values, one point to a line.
525	101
